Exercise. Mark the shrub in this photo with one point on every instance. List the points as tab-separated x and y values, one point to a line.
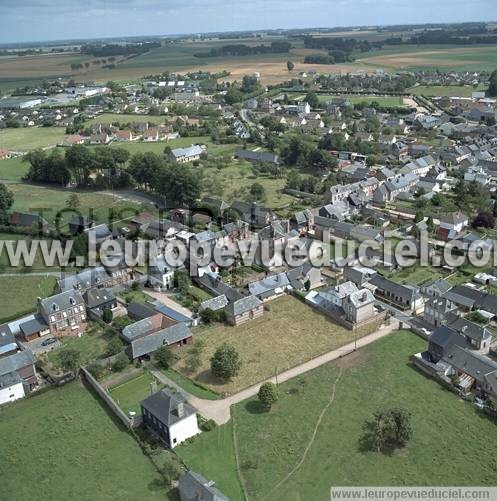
268	395
120	363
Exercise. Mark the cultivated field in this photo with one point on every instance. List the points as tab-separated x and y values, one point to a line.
289	334
271	445
71	446
447	58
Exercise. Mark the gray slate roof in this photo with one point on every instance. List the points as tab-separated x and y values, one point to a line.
214	303
62	301
164	406
194	487
151	342
16	361
243	305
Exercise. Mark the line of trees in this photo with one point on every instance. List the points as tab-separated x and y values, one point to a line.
277	47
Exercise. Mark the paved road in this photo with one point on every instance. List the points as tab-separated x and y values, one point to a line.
219	410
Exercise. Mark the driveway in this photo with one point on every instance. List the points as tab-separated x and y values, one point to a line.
219	410
164	298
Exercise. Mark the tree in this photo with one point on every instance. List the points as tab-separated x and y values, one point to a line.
268	395
492	84
257	191
170	471
225	363
107	315
484	220
114	347
208	315
73	201
389	429
120	363
6	201
69	359
312	98
164	357
290	65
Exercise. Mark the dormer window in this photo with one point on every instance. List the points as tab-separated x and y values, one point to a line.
55	307
72	301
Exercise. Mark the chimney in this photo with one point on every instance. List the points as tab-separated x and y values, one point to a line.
181	409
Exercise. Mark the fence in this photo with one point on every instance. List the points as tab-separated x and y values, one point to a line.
130	423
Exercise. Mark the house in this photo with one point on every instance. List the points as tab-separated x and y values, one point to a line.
99	299
477	336
188	154
98	234
11	387
437	310
435	288
169	417
123	135
34	328
160	275
194	487
78	224
22	364
64	313
243	310
404	296
451	225
147	341
270	287
345	303
258	156
302	220
8	344
151	134
27	220
100	138
253	214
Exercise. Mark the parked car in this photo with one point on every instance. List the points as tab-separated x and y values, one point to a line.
49	341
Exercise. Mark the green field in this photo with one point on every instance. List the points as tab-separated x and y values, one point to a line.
30	138
71	446
387	101
124	118
448	434
444	90
291	333
13	169
212	454
51	199
18	294
128	395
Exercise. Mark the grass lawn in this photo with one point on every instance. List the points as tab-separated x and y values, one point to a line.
416	275
158	147
128	395
212	454
190	386
30	138
13	169
234	181
291	333
448	434
91	345
69	443
51	199
18	294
